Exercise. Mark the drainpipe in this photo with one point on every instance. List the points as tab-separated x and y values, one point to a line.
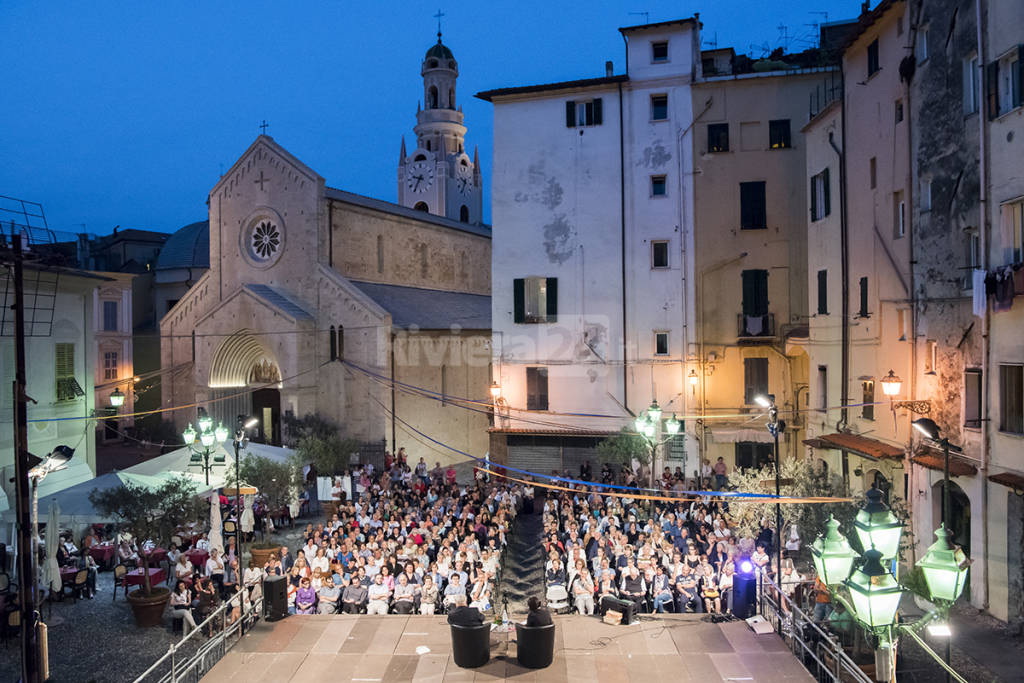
622	240
394	448
844	389
983	229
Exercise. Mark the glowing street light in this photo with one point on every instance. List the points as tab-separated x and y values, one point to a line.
833	557
875	593
117	398
877	528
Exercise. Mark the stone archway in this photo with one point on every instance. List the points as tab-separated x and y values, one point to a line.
242	359
242	362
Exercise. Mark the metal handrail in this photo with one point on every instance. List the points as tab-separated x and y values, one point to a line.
826	642
209	653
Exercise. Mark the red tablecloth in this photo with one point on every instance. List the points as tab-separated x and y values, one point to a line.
67	575
102	552
157	555
134	578
198	559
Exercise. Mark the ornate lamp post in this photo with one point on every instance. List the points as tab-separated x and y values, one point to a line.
649	425
891	385
240	442
207	437
877	527
833	557
775	426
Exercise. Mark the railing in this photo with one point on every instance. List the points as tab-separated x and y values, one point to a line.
820	652
828	91
755	326
191	658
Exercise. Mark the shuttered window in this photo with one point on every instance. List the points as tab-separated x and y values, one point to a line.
68	388
535	300
753	214
755	379
821	199
584	113
755	292
822	292
536	388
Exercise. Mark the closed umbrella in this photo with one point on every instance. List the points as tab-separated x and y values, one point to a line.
247	520
52	571
216	539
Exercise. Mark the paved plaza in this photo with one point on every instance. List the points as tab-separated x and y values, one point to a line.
369	649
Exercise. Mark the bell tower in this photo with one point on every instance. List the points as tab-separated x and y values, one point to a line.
438	176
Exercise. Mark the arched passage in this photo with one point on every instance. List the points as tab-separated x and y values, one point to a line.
959	514
242	361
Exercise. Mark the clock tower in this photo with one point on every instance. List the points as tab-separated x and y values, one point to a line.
438	176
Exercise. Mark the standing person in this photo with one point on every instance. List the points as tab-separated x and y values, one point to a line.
585	473
705	473
720	474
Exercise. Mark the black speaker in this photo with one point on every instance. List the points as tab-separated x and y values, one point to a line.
625	607
275	598
744	595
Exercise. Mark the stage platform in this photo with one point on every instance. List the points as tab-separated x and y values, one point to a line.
372	649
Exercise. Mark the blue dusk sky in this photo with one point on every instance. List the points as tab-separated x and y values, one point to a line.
127	113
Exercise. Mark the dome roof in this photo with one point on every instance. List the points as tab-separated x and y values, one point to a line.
439	51
188	247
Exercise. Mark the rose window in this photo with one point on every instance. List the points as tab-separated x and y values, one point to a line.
266	239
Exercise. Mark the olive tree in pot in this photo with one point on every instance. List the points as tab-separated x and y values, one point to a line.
155	514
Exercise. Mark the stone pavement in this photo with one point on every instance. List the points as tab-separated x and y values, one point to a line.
676	648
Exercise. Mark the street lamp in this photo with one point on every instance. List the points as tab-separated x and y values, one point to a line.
117	398
875	593
891	385
694	380
877	527
648	424
241	441
931	431
945	568
207	437
833	557
774	427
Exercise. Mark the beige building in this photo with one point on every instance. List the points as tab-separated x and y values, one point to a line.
112	315
318	300
750	245
858	244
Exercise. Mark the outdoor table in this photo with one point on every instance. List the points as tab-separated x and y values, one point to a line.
67	575
198	559
156	555
103	553
134	578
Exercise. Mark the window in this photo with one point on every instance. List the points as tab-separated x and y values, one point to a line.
341	342
921	46
110	316
583	113
970	83
718	137
658	186
1011	399
867	409
972	399
821	200
931	350
421	206
753	215
899	214
1013	229
433	97
822	292
755	379
755	293
823	388
110	365
901	324
873	172
899	111
1003	84
333	343
659	107
661	343
380	253
973	257
873	66
68	388
535	299
536	388
863	312
659	51
778	134
926	194
753	455
659	254
464	213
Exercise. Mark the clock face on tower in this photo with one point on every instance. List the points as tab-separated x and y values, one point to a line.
419	177
464	180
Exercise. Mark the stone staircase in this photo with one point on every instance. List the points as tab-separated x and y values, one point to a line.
522	573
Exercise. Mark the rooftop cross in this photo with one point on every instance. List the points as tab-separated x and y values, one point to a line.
438	17
263	126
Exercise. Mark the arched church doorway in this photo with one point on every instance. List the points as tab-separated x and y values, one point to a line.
245	380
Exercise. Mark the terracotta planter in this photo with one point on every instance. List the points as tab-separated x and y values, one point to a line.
261	555
149	609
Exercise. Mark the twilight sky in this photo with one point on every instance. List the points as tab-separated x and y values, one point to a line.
127	114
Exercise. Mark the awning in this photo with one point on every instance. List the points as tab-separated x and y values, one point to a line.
740	435
957	466
1009	480
861	445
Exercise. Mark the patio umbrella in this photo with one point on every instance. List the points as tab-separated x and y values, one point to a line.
51	573
216	538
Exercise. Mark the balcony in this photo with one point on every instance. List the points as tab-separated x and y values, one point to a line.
755	328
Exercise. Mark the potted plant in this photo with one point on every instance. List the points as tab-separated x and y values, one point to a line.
273	481
155	514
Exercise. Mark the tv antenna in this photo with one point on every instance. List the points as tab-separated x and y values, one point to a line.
645	15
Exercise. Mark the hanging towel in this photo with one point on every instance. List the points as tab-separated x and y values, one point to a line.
755	324
978	291
1004	290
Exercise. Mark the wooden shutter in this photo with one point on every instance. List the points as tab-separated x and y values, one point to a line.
992	89
551	305
1019	95
598	111
519	300
828	193
536	388
814	198
570	114
863	296
823	292
64	370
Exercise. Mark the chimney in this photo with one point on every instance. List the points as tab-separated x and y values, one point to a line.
608	68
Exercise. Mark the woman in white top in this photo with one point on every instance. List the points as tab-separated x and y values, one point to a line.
215	569
183	568
181	604
320	562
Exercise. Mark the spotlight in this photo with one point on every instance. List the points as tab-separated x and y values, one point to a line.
746	567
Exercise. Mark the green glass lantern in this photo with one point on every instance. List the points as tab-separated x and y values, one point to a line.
833	557
205	422
640	423
672	425
117	398
945	568
649	430
654	411
877	527
874	592
189	435
207	437
221	432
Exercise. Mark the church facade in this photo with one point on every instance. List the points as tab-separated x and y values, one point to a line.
322	301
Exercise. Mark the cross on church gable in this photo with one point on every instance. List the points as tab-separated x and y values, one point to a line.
259	181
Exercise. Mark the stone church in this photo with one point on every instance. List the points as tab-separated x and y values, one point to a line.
303	276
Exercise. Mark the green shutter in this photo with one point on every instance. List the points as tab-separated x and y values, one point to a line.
551	305
598	111
519	300
992	89
1018	95
814	198
570	114
828	192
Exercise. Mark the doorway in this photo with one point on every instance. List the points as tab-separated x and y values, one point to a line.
266	407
